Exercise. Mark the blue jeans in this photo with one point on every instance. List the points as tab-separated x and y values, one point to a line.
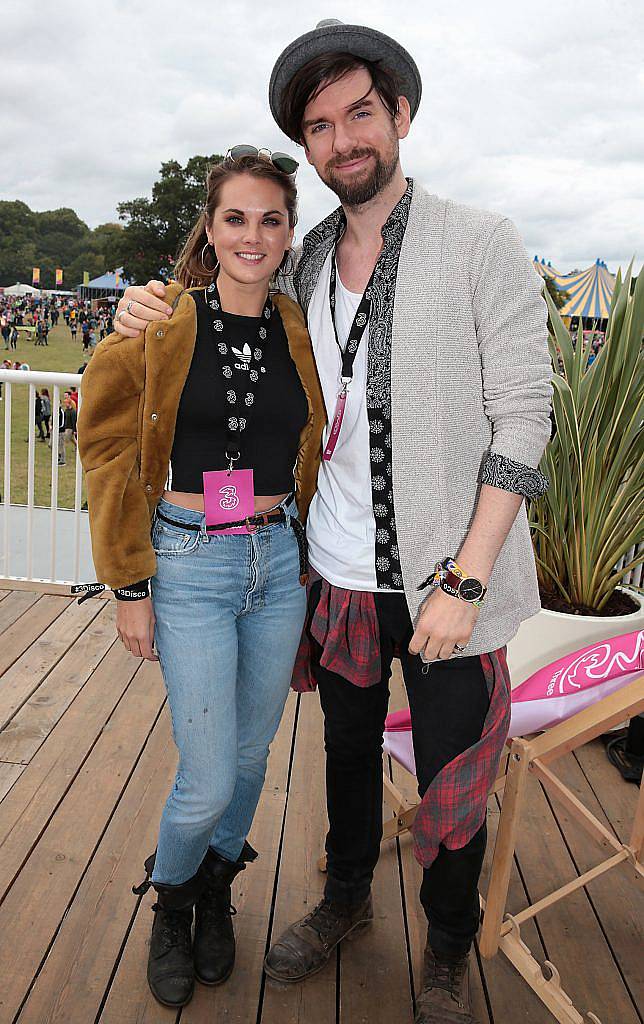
229	615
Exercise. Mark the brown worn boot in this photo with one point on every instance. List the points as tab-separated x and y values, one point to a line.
445	995
305	947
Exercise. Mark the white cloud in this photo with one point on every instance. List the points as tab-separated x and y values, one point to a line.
531	110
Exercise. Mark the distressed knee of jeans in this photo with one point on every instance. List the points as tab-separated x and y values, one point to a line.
208	812
204	805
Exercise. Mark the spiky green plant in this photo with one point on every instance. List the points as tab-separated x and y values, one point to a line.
593	513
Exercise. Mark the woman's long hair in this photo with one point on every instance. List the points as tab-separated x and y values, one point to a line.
195	266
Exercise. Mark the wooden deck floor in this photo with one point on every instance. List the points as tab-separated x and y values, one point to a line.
86	761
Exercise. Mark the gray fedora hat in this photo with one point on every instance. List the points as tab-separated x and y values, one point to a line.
332	36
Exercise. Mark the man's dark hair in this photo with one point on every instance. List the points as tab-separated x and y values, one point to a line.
325	70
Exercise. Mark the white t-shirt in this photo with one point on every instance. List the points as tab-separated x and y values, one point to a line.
341	528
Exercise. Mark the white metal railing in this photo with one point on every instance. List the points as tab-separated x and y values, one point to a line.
35	378
32	379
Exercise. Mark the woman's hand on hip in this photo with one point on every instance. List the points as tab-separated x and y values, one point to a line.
135	627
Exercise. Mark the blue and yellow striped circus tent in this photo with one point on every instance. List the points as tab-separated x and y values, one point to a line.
590	290
545	269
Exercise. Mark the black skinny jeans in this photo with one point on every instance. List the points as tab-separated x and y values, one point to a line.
448	708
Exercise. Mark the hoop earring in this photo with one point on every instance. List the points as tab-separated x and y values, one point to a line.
211	250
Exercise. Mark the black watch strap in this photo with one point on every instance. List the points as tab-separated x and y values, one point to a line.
133	592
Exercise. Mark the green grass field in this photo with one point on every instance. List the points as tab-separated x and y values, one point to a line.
62	355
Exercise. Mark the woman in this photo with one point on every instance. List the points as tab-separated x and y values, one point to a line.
46	411
226	386
70	419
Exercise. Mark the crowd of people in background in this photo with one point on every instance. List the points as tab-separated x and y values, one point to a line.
40	315
594	338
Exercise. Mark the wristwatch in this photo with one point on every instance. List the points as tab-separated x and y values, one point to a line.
449	576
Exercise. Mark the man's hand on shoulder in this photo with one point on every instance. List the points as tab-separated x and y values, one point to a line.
145	305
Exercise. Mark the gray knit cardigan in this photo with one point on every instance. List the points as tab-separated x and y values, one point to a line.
470	398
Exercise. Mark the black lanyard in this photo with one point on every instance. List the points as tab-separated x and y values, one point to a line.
239	406
360	320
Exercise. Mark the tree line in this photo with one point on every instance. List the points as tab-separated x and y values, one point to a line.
51	239
146	244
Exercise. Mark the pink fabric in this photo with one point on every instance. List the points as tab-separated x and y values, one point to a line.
590	666
398	721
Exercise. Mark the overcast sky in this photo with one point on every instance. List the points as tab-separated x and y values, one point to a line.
532	109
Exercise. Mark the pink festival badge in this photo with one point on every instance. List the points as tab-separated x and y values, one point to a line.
228	496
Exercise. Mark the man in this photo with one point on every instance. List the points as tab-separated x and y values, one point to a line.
39	416
429	332
62	450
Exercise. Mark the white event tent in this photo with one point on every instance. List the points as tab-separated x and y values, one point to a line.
21	290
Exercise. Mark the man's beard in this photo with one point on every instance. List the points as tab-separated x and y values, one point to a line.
365	189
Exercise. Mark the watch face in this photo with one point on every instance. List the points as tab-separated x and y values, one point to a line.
471	589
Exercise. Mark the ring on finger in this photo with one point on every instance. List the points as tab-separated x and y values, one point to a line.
129	305
457	647
118	316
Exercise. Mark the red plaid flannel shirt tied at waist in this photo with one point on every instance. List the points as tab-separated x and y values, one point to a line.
345	625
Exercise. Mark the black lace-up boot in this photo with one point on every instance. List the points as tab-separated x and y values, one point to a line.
171	974
214	943
305	947
445	995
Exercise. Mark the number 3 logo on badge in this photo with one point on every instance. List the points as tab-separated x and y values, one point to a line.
230	499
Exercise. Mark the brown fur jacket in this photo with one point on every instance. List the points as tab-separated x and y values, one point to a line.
129	400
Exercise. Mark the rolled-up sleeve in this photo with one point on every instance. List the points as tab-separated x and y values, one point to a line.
511	324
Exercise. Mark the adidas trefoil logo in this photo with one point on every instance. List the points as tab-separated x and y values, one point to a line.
245	355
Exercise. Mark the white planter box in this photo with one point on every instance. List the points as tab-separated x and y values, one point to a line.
548	635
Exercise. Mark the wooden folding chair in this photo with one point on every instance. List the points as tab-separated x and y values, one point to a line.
503	931
533	756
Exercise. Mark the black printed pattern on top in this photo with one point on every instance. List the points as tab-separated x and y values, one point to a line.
499	471
383	292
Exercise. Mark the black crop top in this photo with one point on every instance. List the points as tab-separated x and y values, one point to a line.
270	442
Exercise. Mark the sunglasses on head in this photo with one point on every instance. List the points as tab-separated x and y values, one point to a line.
282	161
